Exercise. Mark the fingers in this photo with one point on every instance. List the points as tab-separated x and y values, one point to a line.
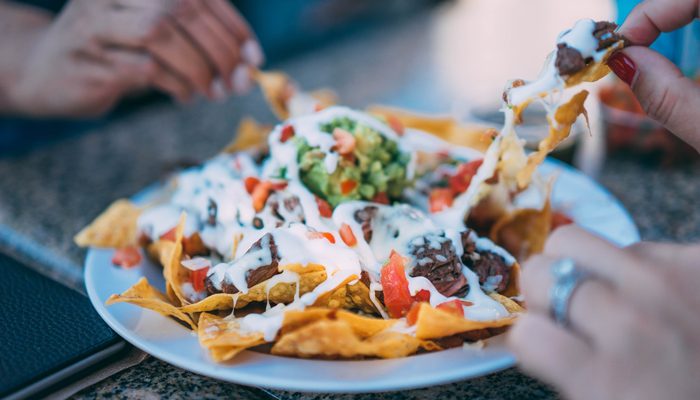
546	350
250	48
635	279
133	69
667	255
594	306
650	18
198	27
665	94
602	257
198	41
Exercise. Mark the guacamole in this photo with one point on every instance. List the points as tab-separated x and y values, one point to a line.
374	170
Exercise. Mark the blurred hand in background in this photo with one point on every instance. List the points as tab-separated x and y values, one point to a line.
97	51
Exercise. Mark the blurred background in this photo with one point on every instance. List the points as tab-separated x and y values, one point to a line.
449	57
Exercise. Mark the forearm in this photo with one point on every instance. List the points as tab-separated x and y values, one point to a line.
20	27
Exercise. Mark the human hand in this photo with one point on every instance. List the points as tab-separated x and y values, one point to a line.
666	95
635	330
97	51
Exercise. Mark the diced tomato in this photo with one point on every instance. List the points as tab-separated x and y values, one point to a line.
250	183
560	219
169	235
321	235
324	208
397	297
127	257
455	307
412	316
287	133
381	198
440	199
197	277
422	295
460	181
260	195
344	141
395	124
318	107
347	235
278	185
346	187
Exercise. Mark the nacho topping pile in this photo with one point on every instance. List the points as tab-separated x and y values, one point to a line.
349	234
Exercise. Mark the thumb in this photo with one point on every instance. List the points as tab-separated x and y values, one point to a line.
665	94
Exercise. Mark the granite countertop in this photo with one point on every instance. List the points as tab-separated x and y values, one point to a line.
48	194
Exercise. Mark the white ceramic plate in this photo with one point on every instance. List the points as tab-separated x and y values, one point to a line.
587	202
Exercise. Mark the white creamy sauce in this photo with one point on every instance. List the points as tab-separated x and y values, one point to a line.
581	38
238	226
285	277
158	220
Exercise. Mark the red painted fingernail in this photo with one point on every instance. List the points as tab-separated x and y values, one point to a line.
623	67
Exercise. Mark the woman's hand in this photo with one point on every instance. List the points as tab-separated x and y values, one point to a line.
666	95
97	51
635	330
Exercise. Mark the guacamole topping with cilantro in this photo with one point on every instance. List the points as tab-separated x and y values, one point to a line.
370	166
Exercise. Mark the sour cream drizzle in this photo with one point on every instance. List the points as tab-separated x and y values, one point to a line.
396	228
581	38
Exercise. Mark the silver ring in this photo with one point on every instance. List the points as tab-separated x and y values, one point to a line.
567	277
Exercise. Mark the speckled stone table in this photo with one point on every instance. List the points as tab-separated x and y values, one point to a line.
48	194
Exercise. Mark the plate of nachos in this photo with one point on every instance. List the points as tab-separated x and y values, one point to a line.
351	250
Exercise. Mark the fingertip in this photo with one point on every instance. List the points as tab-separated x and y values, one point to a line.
252	53
563	236
241	79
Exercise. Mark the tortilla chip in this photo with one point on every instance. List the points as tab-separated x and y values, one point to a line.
595	71
564	117
510	305
250	135
337	339
175	274
325	97
362	326
357	297
310	276
278	88
433	323
513	288
524	231
116	227
144	295
446	128
223	338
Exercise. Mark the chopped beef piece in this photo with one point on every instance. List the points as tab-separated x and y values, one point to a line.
605	33
491	268
285	208
364	278
364	217
570	61
435	258
260	274
212	211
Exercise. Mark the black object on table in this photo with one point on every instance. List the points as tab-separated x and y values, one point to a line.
50	334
